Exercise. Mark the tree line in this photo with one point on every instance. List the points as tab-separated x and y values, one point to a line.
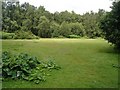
19	18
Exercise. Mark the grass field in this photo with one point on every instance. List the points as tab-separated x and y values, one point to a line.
86	63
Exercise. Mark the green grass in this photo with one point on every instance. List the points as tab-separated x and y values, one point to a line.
86	63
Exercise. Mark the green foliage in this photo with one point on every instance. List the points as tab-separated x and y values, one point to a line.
44	28
73	36
26	24
23	66
77	29
50	65
65	29
18	65
18	35
91	23
61	36
111	25
4	35
25	35
55	28
116	66
42	23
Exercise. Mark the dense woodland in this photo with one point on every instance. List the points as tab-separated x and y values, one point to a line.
27	20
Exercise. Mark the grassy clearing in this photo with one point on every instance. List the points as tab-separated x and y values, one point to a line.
86	63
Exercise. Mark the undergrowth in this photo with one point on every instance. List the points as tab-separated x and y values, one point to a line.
26	67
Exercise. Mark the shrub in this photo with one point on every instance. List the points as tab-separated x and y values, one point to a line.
18	35
23	66
85	37
73	36
25	35
61	37
5	35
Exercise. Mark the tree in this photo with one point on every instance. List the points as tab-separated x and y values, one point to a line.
44	27
65	29
91	24
111	25
77	29
26	25
55	29
9	16
40	22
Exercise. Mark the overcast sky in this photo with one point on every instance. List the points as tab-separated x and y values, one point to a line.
79	6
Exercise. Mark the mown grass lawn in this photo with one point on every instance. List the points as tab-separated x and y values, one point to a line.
86	63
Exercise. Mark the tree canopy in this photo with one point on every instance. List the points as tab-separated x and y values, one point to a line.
111	25
44	24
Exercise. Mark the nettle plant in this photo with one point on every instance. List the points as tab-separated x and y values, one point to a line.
23	66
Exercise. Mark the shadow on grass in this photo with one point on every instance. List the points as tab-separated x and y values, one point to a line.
110	50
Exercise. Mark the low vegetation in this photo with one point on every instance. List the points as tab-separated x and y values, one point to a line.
4	35
18	35
23	66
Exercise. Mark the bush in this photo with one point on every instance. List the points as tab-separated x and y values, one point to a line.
61	37
25	35
18	35
23	66
85	37
73	36
4	35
